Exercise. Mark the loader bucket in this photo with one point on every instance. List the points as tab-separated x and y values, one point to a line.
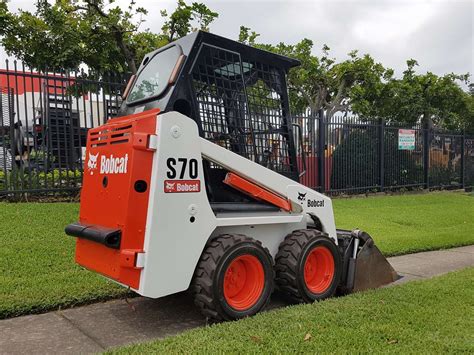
372	269
364	264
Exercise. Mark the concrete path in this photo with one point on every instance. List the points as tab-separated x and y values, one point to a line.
101	326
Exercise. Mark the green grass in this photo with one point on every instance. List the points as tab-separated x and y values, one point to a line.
37	269
38	273
430	317
405	224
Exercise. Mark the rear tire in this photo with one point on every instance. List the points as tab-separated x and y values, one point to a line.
234	278
308	266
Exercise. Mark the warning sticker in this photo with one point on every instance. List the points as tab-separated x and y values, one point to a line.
176	186
406	139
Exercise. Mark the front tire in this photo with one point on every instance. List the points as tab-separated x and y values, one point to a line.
234	278
308	266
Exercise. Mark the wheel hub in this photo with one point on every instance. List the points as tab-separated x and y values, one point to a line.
244	281
319	269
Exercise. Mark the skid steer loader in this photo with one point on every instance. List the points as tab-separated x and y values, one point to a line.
195	186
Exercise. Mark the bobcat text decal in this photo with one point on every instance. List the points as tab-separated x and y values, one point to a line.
182	186
108	164
315	203
113	165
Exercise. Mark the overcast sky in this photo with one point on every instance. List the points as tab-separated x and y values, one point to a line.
439	34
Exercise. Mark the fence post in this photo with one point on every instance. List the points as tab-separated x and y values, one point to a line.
381	153
426	154
463	156
321	152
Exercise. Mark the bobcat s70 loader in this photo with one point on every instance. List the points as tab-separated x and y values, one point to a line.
195	186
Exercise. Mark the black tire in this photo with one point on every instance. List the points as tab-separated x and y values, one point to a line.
208	281
290	265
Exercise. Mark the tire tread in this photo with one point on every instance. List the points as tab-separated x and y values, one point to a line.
202	286
287	259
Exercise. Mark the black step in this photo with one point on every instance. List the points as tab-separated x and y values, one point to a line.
228	207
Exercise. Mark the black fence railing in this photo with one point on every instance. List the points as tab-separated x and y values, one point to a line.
349	154
45	116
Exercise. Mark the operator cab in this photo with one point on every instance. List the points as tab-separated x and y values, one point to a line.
235	93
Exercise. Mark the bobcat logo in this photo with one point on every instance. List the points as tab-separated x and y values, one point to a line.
301	197
170	186
92	162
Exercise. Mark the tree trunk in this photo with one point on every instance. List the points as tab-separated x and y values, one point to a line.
126	52
426	120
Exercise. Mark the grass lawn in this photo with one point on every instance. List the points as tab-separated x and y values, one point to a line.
37	270
431	317
405	224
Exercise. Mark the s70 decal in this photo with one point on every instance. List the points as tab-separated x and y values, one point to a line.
186	168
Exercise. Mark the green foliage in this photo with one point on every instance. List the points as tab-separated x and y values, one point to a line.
469	170
321	82
247	36
186	19
438	100
361	85
47	38
5	16
361	147
443	176
430	317
97	33
21	179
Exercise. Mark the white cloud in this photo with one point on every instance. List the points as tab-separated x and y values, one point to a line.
393	23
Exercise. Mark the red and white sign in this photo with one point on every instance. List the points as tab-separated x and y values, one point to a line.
177	186
406	139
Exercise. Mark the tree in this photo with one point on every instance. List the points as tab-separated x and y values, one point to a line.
365	87
321	82
5	16
427	98
181	21
107	39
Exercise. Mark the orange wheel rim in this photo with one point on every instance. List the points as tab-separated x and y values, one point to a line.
244	280
319	269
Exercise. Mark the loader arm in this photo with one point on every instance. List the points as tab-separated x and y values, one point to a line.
274	182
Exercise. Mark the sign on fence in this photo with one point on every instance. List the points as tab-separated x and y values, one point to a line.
406	139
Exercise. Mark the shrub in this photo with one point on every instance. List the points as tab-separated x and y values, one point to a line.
443	176
36	180
356	161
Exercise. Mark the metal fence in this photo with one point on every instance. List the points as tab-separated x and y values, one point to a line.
350	154
44	118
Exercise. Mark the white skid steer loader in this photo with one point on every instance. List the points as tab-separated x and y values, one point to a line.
196	186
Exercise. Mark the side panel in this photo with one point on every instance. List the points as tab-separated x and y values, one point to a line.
180	219
117	157
315	203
